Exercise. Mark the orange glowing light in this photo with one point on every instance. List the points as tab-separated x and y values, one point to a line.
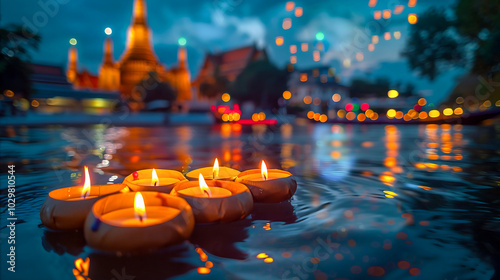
215	170
393	93
293	59
398	9
371	47
203	270
287	94
279	41
372	3
86	185
154	178
268	260
293	48
386	14
303	78
304	47
262	256
412	18
412	3
299	11
377	14
263	171
81	267
316	56
458	111
139	207
203	186
290	5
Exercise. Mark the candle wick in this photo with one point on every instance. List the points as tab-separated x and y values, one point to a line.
156	183
205	191
140	218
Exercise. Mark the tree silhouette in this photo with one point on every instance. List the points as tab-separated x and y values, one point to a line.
15	47
433	45
260	82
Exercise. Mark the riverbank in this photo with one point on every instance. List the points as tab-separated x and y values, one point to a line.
119	119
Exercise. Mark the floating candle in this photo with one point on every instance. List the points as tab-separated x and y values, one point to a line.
67	208
161	180
205	191
136	222
215	201
215	172
271	185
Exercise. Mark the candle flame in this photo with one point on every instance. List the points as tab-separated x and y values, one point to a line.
263	171
154	178
203	186
139	207
86	185
216	169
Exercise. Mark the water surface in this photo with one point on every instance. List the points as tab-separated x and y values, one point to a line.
397	202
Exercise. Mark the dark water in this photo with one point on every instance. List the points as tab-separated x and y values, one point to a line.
391	202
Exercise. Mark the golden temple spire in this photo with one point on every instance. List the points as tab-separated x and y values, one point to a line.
108	52
182	57
140	12
72	70
139	58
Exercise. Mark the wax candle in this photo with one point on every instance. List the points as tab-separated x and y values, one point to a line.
215	172
127	217
271	185
214	200
161	180
67	208
138	221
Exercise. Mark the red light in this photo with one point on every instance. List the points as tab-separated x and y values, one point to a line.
250	121
365	106
236	106
348	107
417	107
212	107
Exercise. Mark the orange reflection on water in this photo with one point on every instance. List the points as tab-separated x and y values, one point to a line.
81	270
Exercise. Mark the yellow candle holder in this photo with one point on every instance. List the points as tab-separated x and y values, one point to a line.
65	209
280	185
167	180
225	173
112	225
236	204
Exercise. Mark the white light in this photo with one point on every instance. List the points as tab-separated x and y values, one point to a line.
108	31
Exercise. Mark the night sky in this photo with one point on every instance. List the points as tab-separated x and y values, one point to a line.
224	24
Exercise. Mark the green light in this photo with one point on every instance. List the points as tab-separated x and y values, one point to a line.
320	36
72	41
182	41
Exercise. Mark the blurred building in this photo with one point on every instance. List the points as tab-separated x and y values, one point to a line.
226	65
52	93
137	61
315	84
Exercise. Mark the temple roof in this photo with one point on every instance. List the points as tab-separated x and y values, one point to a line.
231	63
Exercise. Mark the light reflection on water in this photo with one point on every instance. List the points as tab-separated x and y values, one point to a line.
392	201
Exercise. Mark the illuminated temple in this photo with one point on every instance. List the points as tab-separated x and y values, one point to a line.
135	64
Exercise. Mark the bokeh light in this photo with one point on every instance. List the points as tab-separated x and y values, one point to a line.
226	97
182	41
412	18
393	93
